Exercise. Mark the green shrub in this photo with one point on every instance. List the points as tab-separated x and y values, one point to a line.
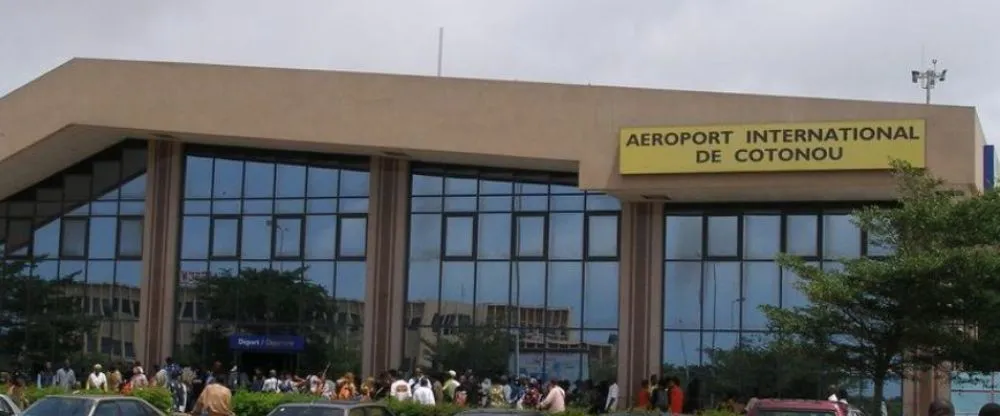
159	397
260	404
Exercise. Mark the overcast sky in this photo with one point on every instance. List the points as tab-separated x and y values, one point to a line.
861	49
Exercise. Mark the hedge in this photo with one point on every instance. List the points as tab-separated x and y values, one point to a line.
260	404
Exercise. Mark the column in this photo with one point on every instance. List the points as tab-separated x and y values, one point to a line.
385	290
640	291
161	229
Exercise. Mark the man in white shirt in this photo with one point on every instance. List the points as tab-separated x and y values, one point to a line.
400	389
555	401
271	383
423	393
97	380
612	403
65	377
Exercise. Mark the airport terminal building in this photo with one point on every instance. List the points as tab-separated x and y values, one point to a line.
611	232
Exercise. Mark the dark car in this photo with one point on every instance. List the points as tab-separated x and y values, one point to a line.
332	408
79	405
498	412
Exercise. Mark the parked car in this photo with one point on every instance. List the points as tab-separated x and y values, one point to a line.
8	407
80	405
498	412
332	408
794	407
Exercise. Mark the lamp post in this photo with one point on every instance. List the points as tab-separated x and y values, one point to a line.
928	78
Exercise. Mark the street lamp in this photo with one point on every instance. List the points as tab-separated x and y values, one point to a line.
928	78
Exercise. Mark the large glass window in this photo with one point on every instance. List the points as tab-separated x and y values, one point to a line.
511	272
720	269
71	249
272	245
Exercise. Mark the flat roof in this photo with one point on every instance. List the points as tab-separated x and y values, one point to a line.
86	105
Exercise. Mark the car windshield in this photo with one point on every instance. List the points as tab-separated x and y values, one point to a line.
307	411
60	406
776	412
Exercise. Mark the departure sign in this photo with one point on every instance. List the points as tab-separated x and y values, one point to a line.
849	145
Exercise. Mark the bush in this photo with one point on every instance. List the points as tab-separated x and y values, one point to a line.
260	404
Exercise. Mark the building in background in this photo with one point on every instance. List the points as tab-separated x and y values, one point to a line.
394	221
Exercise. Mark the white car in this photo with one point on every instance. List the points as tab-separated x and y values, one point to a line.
7	406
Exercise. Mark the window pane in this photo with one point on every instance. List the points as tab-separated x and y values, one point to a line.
457	287
791	296
602	237
225	233
458	236
841	237
196	172
426	185
761	236
493	292
722	236
801	232
74	238
721	307
290	181
255	242
600	308
528	289
682	295
761	286
228	180
566	236
321	236
130	237
322	182
259	179
353	183
103	233
681	348
422	284
683	237
288	237
352	236
565	287
425	236
194	243
530	236
494	236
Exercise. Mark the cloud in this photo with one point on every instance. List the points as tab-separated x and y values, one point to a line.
833	48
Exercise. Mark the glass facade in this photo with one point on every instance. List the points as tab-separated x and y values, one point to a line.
72	262
719	269
511	272
272	245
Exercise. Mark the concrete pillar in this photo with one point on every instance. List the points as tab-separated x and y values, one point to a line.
161	230
385	284
640	294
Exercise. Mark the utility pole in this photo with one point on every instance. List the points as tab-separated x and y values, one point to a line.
440	49
928	78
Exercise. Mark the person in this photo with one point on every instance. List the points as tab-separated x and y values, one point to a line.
832	391
65	377
16	392
990	409
941	407
97	380
114	379
271	383
676	395
178	390
555	401
642	398
422	393
450	384
368	389
138	379
612	402
399	388
215	400
496	397
661	397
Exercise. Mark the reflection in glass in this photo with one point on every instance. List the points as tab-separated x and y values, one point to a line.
273	243
761	236
722	236
841	237
802	233
81	264
683	237
722	299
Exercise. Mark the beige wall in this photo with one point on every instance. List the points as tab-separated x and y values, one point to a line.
84	105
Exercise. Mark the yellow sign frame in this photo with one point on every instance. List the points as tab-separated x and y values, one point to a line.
773	147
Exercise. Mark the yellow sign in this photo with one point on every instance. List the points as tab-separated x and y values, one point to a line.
848	145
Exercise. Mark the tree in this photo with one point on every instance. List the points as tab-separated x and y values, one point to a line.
486	349
268	301
884	318
40	319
